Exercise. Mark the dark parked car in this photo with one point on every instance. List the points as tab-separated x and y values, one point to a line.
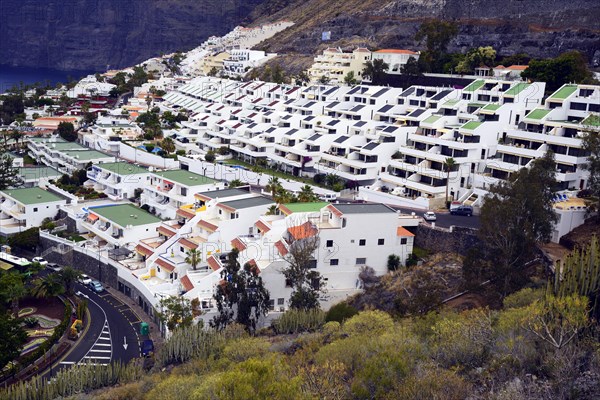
147	348
462	210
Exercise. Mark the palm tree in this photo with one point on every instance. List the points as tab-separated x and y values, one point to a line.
16	135
306	194
284	196
272	210
193	258
273	186
375	70
449	165
12	289
68	276
235	183
48	286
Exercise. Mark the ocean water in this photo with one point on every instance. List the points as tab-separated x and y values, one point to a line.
11	76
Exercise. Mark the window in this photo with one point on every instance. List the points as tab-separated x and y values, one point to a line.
329	243
288	283
361	261
334	261
380	242
35	209
280	301
362	242
403	241
181	249
272	304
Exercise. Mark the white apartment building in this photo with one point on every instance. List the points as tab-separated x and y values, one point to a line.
21	209
66	157
334	64
118	180
240	61
38	176
108	131
395	58
167	191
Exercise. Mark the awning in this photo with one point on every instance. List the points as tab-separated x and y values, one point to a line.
92	217
187	243
165	231
213	263
187	283
143	250
238	244
185	214
168	182
264	228
208	226
281	248
164	264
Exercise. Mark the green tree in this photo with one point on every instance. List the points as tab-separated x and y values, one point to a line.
324	80
235	183
213	71
516	216
241	296
210	156
302	78
412	67
8	173
68	276
350	79
393	262
48	286
449	165
273	186
569	67
375	70
590	144
178	311
66	130
515	59
193	258
12	339
475	58
307	194
299	272
12	289
437	35
168	145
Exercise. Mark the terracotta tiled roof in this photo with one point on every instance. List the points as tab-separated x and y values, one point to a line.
402	231
281	248
264	228
303	231
213	263
518	67
186	283
284	209
208	226
188	243
166	231
185	213
238	244
164	264
143	250
334	210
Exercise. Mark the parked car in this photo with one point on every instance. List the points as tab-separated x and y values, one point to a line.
147	348
84	279
40	261
462	210
96	286
54	267
429	216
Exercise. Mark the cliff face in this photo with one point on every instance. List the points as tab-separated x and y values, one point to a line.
541	28
91	34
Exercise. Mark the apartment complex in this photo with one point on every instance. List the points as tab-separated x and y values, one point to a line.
66	157
334	64
395	58
22	209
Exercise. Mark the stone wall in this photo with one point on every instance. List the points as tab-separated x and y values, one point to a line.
459	240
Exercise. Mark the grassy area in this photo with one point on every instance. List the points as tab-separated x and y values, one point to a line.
420	252
27	160
273	172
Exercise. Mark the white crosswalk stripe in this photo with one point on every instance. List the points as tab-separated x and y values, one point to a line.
101	350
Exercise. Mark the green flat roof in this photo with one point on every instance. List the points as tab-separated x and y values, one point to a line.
186	178
492	107
29	173
431	119
538	113
123	168
563	92
592	120
306	207
125	214
33	195
473	86
451	102
471	125
86	155
43	139
62	146
515	90
478	105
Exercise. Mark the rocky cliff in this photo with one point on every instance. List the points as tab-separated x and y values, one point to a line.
91	34
541	28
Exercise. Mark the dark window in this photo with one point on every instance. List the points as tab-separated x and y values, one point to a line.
329	243
403	241
361	261
380	242
334	261
280	301
35	209
362	242
288	283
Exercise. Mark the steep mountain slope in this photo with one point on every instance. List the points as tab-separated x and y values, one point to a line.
541	28
91	34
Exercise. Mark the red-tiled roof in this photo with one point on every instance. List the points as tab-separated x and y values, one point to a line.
281	248
285	210
164	264
188	243
185	214
186	283
264	228
303	231
166	231
334	210
518	67
208	226
143	250
238	244
213	263
402	231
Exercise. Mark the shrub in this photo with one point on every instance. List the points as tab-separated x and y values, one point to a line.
296	321
372	322
340	312
210	157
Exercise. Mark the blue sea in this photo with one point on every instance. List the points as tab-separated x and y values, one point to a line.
11	76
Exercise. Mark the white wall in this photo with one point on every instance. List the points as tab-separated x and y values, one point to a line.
141	157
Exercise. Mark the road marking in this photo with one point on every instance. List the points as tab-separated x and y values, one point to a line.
100	351
67	362
103	344
96	358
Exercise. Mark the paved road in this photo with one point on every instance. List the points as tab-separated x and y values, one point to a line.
445	219
112	334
